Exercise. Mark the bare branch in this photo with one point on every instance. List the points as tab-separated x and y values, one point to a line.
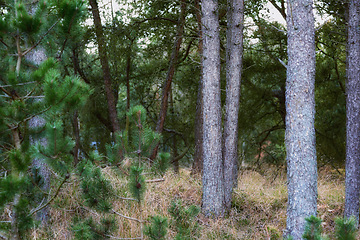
124	198
18	84
155	180
130	218
41	38
52	199
122	238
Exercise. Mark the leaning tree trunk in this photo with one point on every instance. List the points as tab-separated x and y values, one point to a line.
352	182
235	18
213	189
105	67
169	77
300	110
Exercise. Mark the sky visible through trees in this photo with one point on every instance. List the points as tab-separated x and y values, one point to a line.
105	99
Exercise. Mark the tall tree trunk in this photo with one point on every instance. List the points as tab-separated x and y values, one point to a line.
352	182
169	77
38	56
234	50
213	189
198	155
105	66
300	110
175	159
128	73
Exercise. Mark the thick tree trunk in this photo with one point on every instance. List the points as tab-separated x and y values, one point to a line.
300	109
169	77
105	66
42	167
234	50
198	155
352	182
213	189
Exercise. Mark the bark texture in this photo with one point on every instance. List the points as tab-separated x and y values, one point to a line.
213	190
234	50
105	66
38	122
170	76
352	182
300	110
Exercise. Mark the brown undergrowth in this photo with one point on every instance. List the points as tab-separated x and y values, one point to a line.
258	212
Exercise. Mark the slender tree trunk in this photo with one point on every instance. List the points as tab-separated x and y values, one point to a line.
198	155
169	77
213	189
105	66
77	137
175	159
300	110
352	182
128	73
234	50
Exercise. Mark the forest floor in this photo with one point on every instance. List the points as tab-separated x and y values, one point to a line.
258	212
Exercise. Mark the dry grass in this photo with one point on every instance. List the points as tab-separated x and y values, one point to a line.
259	210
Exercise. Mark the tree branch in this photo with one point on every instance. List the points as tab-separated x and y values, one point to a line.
155	180
130	218
52	199
41	38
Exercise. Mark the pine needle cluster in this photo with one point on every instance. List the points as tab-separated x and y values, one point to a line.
96	190
157	230
184	220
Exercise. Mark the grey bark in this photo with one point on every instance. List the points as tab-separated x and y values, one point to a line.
234	50
213	190
39	122
37	56
352	181
300	114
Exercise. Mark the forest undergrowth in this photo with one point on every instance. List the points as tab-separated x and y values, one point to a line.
258	211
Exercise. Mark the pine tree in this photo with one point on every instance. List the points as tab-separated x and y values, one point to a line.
345	229
158	228
313	228
34	87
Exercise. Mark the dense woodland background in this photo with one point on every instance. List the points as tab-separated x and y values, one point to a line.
99	98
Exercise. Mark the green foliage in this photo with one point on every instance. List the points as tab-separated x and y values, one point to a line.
140	135
9	187
19	159
183	219
157	229
345	229
161	163
91	230
313	228
137	183
22	209
56	152
96	190
25	22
